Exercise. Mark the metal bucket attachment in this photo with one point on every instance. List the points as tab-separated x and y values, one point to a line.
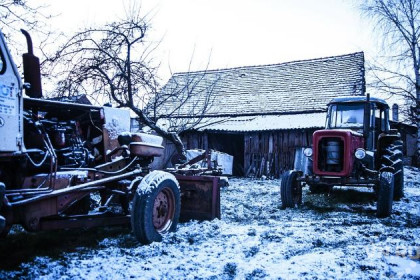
200	197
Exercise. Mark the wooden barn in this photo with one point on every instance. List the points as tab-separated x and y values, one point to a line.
262	114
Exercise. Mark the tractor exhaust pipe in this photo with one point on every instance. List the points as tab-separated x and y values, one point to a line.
366	117
31	70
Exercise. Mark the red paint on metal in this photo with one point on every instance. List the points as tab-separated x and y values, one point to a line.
351	143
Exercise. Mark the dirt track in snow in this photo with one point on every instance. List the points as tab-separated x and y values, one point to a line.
329	236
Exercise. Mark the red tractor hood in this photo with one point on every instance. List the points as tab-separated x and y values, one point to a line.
333	151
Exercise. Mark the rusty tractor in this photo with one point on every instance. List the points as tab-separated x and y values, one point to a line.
66	165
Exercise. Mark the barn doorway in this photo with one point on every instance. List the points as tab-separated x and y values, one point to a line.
232	144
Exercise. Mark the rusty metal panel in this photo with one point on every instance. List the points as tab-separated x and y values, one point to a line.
65	200
200	197
88	221
32	213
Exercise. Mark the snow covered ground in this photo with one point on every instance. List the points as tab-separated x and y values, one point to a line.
330	236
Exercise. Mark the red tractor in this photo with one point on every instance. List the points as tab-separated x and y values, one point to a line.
66	165
357	148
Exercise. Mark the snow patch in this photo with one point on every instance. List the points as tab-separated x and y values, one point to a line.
117	121
330	236
152	181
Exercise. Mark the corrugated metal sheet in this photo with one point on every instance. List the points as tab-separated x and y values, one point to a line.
263	123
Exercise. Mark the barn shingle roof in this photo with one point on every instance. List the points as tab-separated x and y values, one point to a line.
297	86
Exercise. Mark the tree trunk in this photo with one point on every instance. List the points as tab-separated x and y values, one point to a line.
417	110
418	126
179	146
416	66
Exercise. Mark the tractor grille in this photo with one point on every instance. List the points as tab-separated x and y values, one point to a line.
331	154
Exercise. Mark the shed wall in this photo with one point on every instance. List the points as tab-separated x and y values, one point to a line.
272	153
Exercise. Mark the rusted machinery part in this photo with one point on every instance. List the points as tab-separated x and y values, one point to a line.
164	210
80	187
96	170
122	148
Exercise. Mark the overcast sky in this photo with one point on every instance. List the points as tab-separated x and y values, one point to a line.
233	32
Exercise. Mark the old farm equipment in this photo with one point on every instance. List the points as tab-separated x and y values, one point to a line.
66	165
357	148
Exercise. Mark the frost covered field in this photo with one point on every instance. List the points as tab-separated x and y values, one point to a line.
335	236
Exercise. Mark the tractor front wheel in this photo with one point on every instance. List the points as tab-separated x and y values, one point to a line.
156	207
385	195
290	189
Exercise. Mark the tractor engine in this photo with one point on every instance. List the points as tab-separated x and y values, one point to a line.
65	138
56	136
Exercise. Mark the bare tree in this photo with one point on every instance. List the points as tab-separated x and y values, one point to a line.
114	63
17	14
185	100
399	23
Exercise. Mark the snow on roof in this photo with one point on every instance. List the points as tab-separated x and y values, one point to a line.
298	86
263	122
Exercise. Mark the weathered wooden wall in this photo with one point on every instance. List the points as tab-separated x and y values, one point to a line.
271	153
195	140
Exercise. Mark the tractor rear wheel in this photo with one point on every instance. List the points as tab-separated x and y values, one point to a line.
156	207
290	189
393	157
385	194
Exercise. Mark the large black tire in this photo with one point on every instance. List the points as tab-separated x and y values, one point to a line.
290	189
385	194
319	188
393	156
156	207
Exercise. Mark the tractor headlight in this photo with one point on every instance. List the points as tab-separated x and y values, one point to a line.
360	153
307	152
